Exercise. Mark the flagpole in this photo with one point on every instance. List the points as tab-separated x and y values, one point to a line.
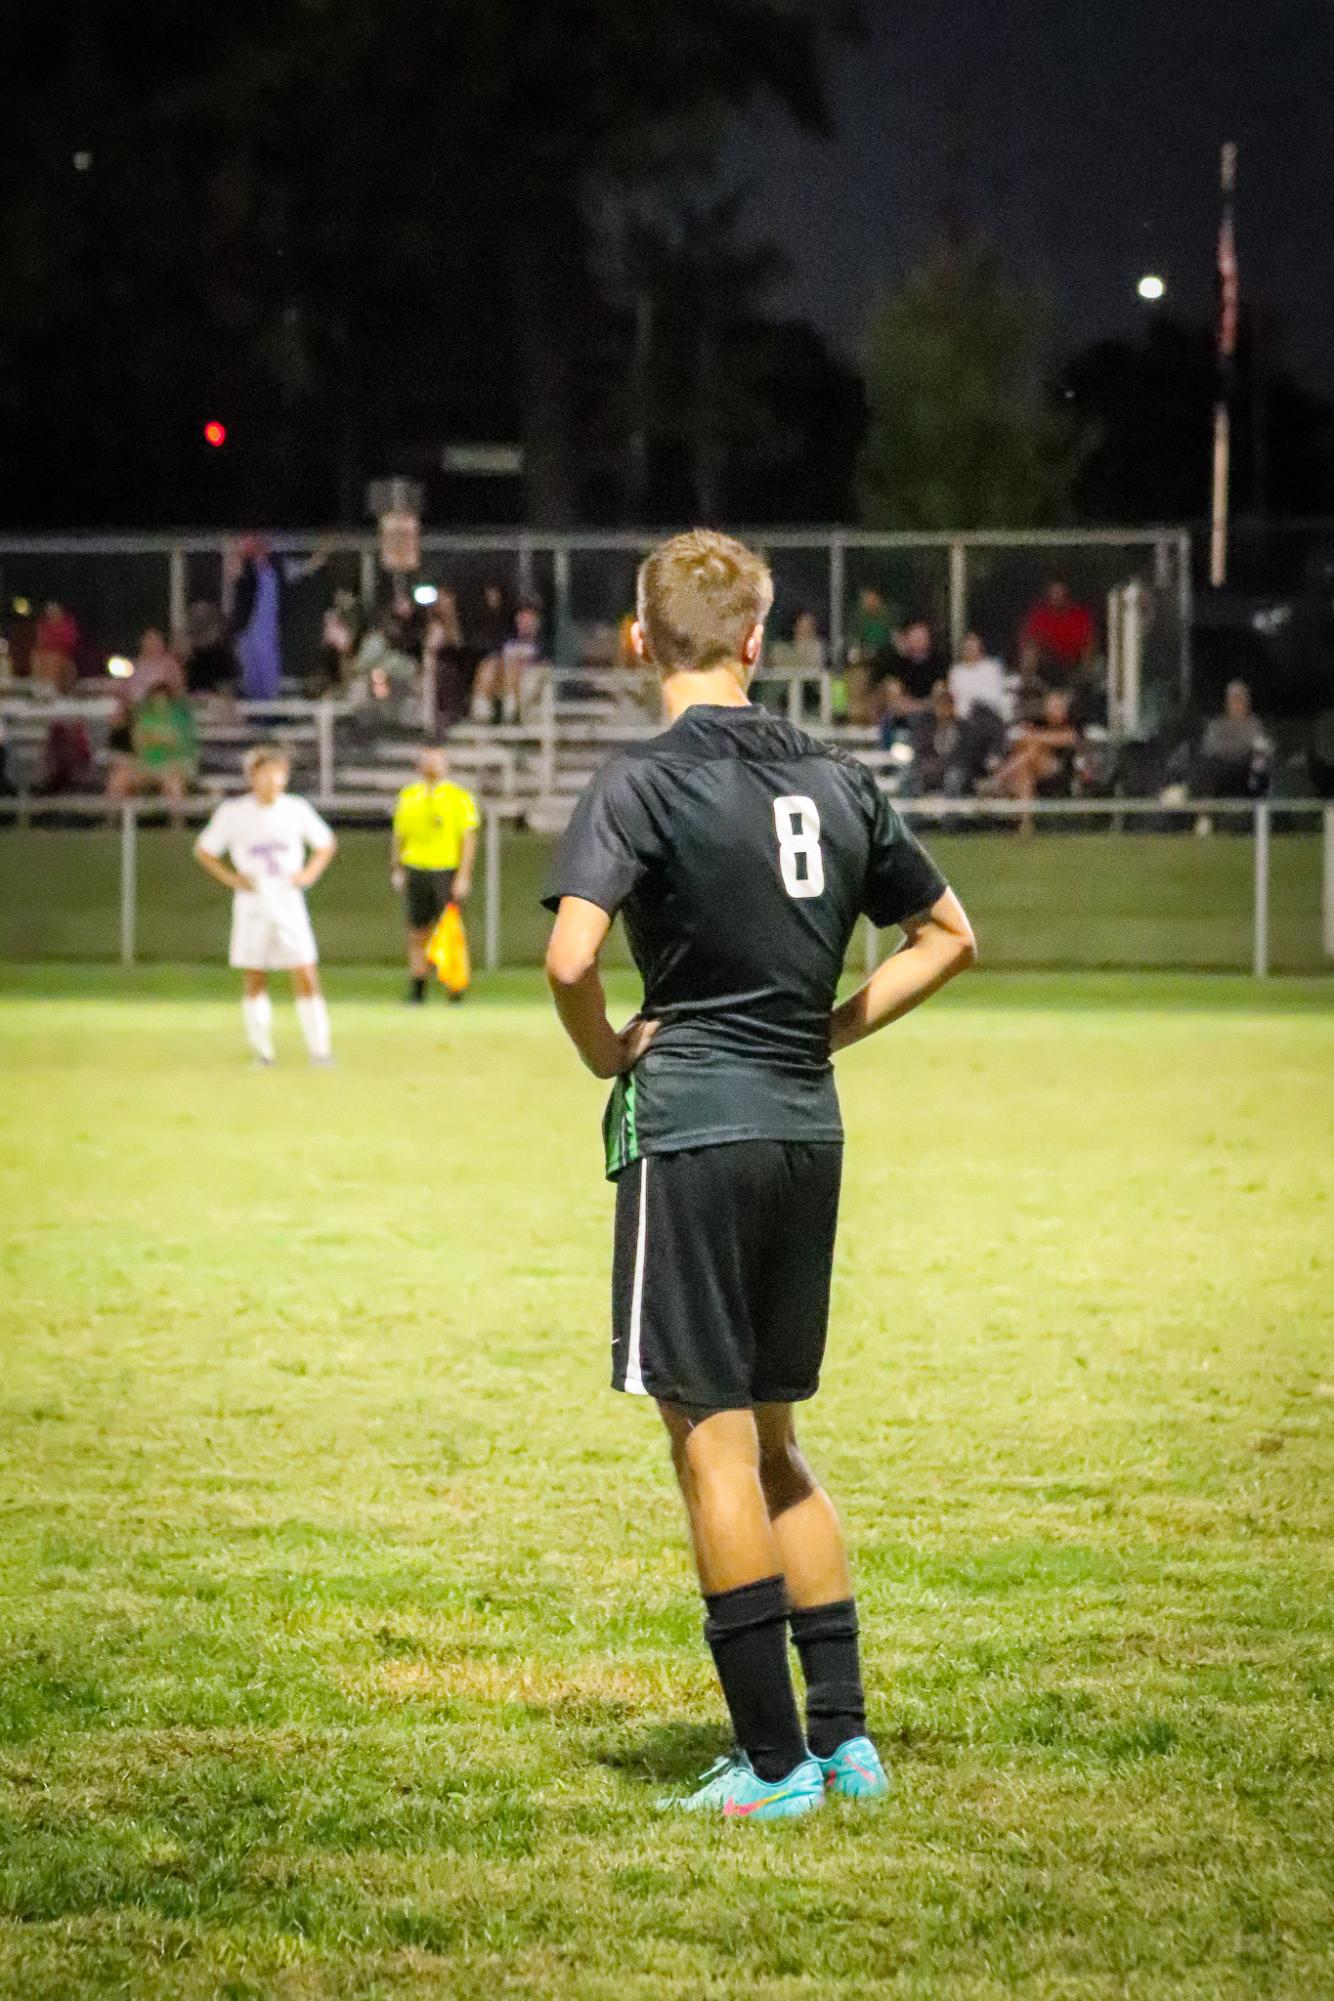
1227	349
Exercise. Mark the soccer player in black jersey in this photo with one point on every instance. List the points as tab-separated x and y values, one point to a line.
741	853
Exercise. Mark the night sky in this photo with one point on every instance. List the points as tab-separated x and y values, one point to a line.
1084	136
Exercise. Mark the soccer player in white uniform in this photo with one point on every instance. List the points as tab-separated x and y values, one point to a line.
269	848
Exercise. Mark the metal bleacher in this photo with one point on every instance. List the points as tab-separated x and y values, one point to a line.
343	752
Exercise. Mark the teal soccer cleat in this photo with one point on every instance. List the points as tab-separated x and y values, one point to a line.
855	1771
733	1789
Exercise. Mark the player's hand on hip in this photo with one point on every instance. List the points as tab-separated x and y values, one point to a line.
634	1039
245	882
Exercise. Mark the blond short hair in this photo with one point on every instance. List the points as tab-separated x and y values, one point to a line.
698	597
265	753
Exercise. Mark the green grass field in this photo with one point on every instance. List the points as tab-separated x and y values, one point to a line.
346	1627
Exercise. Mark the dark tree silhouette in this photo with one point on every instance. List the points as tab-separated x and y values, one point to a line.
351	226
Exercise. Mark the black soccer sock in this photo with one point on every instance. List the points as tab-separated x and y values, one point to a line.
418	988
747	1634
826	1640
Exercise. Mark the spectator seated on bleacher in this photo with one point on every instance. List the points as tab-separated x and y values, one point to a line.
120	750
53	662
155	665
1029	700
805	652
383	660
804	655
1236	751
340	633
507	683
903	677
68	765
381	706
442	654
951	752
978	678
1058	637
210	663
937	737
870	629
1040	762
164	751
488	627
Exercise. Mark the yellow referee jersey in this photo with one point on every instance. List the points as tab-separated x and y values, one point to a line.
430	822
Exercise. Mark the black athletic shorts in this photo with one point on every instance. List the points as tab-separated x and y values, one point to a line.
428	890
720	1279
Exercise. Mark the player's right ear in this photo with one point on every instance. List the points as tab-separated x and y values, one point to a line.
638	641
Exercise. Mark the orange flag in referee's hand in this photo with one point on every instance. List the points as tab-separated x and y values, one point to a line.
448	951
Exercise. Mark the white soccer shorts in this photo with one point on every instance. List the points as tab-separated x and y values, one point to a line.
271	933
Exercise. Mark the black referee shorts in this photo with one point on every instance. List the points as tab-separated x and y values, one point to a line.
427	891
721	1272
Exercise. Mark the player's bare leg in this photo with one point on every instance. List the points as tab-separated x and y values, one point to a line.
419	966
173	793
806	1529
809	1540
716	1456
257	1014
1027	766
121	785
717	1459
312	1013
486	687
511	688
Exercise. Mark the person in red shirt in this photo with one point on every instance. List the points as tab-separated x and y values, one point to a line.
55	648
1057	638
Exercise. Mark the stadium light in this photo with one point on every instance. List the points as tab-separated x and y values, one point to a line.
1151	288
424	594
215	434
119	668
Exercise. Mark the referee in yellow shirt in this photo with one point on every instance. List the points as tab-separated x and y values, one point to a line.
435	842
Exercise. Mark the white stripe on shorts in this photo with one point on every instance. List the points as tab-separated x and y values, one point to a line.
634	1377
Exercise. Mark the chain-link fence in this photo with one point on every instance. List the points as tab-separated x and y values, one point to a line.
1209	887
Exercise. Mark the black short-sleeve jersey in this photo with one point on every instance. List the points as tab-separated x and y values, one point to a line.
740	853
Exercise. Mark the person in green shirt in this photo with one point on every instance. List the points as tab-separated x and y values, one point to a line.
165	751
870	631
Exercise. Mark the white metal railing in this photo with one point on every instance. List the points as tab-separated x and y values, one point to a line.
943	813
490	753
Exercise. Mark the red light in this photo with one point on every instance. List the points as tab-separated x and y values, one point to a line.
215	434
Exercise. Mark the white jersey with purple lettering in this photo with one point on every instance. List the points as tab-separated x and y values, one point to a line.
268	844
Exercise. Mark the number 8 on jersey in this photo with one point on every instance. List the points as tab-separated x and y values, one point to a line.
797	820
